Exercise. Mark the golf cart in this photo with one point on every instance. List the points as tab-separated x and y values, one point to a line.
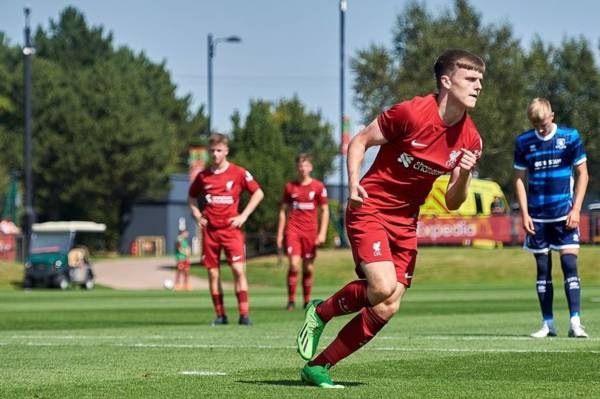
56	256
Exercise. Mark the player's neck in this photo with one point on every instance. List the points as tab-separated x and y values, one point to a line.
305	180
221	166
451	112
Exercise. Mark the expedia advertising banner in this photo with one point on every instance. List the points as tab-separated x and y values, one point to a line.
503	229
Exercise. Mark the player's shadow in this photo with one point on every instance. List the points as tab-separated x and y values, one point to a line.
296	383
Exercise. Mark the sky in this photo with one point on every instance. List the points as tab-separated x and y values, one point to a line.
288	47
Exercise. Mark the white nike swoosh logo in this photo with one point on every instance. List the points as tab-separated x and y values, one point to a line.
234	258
407	276
415	144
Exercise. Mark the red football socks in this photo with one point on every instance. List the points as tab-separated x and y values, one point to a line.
218	303
307	280
292	280
350	299
243	304
360	330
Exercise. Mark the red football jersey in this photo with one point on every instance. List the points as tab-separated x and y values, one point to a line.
221	191
302	201
420	148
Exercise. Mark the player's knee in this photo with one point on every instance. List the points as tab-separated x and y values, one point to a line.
544	268
569	265
382	292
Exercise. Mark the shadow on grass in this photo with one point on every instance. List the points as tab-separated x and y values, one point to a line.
297	383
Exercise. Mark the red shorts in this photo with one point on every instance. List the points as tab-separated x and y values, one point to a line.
229	238
183	265
302	245
377	237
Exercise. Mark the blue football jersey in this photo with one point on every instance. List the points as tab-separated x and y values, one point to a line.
549	163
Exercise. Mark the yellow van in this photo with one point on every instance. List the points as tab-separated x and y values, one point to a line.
485	198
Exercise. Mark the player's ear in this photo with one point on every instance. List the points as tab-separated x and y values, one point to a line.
446	82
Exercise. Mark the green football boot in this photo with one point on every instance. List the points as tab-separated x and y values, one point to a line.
308	337
318	376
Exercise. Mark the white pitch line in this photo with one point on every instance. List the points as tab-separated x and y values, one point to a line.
202	373
381	348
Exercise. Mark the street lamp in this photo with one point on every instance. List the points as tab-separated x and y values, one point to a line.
212	45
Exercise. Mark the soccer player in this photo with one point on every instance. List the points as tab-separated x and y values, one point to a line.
301	198
220	187
182	258
419	139
545	157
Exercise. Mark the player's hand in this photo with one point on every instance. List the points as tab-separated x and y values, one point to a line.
572	219
202	221
468	160
321	238
528	225
237	221
357	196
279	241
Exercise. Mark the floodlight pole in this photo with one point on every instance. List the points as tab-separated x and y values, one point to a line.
342	193
28	51
211	47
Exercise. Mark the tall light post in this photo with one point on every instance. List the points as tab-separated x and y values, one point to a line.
344	122
28	51
212	45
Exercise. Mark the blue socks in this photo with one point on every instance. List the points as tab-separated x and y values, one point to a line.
544	286
572	289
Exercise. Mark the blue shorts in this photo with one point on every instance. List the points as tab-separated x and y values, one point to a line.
553	235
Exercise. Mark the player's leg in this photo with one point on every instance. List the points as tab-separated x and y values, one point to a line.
294	251
309	252
216	293
211	250
356	333
369	246
236	256
538	245
186	276
308	266
567	242
177	276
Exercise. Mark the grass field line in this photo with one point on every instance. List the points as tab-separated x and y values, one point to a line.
202	373
290	347
288	337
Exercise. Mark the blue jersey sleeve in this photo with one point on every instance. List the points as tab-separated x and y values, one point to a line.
520	162
578	151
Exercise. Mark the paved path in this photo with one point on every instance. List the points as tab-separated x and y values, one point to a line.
140	273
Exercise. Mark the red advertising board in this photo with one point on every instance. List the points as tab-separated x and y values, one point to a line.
498	228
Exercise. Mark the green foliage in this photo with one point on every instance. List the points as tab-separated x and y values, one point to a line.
108	127
567	75
259	147
267	145
305	132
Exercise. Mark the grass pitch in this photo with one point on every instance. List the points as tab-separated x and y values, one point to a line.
457	335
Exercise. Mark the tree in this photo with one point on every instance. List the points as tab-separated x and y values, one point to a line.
386	76
108	126
306	132
259	147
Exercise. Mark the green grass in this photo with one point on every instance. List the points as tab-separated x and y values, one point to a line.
434	265
453	338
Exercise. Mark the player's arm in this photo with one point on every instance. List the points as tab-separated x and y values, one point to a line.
196	213
581	182
253	202
368	137
458	185
322	237
521	190
281	224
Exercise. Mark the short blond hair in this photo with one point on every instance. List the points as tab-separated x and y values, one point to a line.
218	138
539	110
